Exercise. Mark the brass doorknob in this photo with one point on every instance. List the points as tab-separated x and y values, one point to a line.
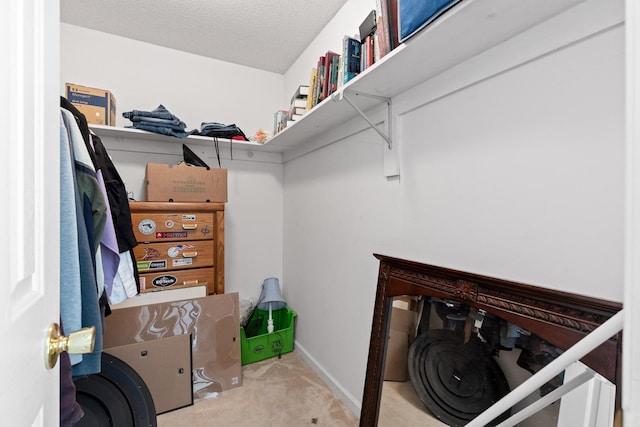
79	342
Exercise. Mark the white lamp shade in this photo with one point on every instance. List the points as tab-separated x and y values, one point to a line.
271	294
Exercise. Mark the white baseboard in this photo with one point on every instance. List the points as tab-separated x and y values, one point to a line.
351	402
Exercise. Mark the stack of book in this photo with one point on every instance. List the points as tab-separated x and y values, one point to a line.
326	78
378	35
299	102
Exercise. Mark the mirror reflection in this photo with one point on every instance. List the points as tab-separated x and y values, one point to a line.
446	363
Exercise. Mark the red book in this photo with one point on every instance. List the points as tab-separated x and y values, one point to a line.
370	56
320	78
328	60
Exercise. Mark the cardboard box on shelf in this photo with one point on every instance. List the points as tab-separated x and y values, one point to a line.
98	105
213	323
182	183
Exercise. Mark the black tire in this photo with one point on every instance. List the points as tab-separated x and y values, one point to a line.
115	397
455	381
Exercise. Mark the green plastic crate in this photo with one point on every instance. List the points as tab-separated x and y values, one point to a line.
256	344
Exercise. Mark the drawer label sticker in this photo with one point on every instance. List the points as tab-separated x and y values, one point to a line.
175	251
164	281
171	234
179	262
151	265
150	253
188	217
147	226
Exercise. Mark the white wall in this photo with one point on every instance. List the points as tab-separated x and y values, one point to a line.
517	174
196	89
142	76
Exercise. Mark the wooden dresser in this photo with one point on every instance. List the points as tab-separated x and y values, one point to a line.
180	245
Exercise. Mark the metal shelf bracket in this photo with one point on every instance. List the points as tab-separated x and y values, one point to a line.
343	95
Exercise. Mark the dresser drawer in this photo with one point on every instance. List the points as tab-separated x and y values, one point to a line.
172	226
158	281
173	255
169	236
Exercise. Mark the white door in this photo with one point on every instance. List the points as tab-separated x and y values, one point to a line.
29	198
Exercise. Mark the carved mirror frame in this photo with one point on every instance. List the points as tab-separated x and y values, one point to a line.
559	318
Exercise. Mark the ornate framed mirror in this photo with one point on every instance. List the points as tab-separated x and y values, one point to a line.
559	318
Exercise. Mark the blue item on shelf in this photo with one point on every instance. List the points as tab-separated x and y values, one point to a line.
417	14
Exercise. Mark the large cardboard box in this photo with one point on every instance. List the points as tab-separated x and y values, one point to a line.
165	367
182	183
402	332
212	321
98	105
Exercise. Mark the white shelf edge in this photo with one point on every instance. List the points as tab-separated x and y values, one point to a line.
141	135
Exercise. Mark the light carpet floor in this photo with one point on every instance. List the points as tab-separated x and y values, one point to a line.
276	392
287	392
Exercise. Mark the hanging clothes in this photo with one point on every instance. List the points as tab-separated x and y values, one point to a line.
96	244
122	282
71	310
115	266
91	216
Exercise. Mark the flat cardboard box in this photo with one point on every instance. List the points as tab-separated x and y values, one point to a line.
97	105
402	330
165	367
395	367
213	322
182	183
158	297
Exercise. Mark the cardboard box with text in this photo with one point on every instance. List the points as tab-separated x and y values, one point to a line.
182	183
97	105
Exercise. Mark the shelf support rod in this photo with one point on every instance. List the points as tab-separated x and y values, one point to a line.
364	116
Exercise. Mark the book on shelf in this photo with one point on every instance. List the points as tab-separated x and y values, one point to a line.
295	117
368	52
297	110
279	121
294	113
351	53
363	57
371	57
382	28
376	49
333	74
341	71
319	81
392	20
299	103
301	92
328	67
312	88
368	26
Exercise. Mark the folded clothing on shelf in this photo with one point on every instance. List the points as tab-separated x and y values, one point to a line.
220	130
160	121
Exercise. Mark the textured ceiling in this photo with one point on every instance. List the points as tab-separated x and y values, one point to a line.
263	34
